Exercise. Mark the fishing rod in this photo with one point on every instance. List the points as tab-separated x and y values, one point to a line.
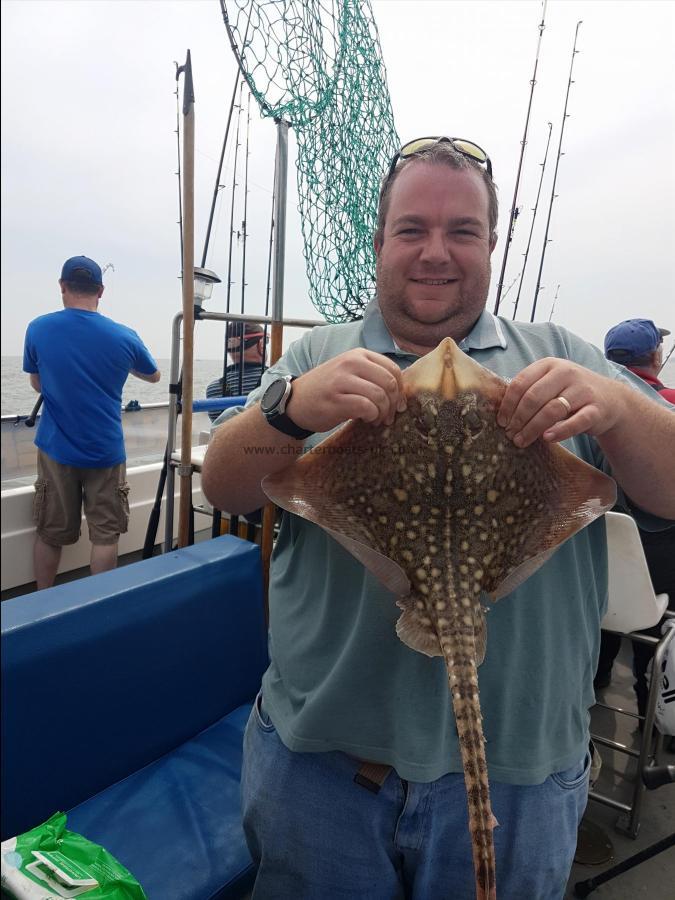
185	529
175	390
570	82
229	331
534	217
29	421
269	259
508	290
550	316
660	369
244	234
179	69
512	217
217	186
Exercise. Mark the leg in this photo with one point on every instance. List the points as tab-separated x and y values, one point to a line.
56	513
103	557
610	644
314	833
642	656
106	507
534	841
46	559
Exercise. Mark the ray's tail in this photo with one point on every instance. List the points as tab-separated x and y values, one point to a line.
460	657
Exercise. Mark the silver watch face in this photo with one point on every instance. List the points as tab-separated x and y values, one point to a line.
272	399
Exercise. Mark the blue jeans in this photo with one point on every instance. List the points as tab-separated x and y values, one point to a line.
317	835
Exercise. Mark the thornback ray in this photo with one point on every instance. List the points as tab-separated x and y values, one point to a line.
444	509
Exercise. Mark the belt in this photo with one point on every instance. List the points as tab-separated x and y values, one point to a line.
372	775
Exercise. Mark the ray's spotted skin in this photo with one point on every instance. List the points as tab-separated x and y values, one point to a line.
447	512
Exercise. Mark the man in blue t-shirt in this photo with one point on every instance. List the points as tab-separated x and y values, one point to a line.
80	360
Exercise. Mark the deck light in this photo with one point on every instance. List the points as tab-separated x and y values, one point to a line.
204	281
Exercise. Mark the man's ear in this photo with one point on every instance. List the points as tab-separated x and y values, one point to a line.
377	244
493	241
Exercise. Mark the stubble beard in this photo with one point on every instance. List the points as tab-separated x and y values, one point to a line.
455	322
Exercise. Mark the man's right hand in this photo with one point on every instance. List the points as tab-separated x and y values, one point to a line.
358	384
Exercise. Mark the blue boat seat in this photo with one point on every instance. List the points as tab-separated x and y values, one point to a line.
186	815
124	699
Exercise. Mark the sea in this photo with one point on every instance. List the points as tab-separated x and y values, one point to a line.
18	397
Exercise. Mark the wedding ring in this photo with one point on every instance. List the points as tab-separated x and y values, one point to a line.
567	405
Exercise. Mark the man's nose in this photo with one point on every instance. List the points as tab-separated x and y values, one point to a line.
435	248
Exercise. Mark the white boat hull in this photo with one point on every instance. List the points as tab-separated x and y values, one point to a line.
18	530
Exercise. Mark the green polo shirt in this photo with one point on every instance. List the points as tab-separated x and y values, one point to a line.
339	677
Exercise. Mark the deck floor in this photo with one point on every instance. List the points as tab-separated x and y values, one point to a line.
654	878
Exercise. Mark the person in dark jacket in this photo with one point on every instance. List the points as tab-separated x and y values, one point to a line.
638	345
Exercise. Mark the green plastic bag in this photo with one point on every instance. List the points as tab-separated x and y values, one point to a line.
50	863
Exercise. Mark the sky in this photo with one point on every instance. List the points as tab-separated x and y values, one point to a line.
89	152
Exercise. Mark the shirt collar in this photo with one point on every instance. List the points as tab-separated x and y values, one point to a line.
486	333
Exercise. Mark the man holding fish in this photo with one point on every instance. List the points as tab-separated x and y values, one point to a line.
356	772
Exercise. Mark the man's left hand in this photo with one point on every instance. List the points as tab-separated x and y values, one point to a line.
557	399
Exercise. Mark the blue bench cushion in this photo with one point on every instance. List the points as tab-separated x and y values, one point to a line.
176	824
103	676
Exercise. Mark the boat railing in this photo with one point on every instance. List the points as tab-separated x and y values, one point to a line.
172	464
144	426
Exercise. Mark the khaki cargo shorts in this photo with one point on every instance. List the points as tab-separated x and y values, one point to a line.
61	492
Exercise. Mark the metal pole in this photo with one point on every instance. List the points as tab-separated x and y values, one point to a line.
281	191
509	232
534	218
555	174
185	470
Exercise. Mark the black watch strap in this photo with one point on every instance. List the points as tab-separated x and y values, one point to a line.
286	425
283	422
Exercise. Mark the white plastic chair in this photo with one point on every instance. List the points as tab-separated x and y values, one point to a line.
632	604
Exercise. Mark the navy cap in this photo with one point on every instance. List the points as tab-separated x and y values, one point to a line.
82	270
634	338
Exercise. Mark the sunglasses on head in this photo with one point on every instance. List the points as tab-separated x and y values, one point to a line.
466	148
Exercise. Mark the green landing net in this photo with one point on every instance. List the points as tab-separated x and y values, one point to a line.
317	64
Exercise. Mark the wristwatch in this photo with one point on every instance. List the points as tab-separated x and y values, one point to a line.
273	406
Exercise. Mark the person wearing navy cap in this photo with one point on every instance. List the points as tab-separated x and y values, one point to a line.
79	361
638	345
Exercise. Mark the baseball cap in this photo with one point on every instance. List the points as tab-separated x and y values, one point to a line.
82	270
251	329
634	338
